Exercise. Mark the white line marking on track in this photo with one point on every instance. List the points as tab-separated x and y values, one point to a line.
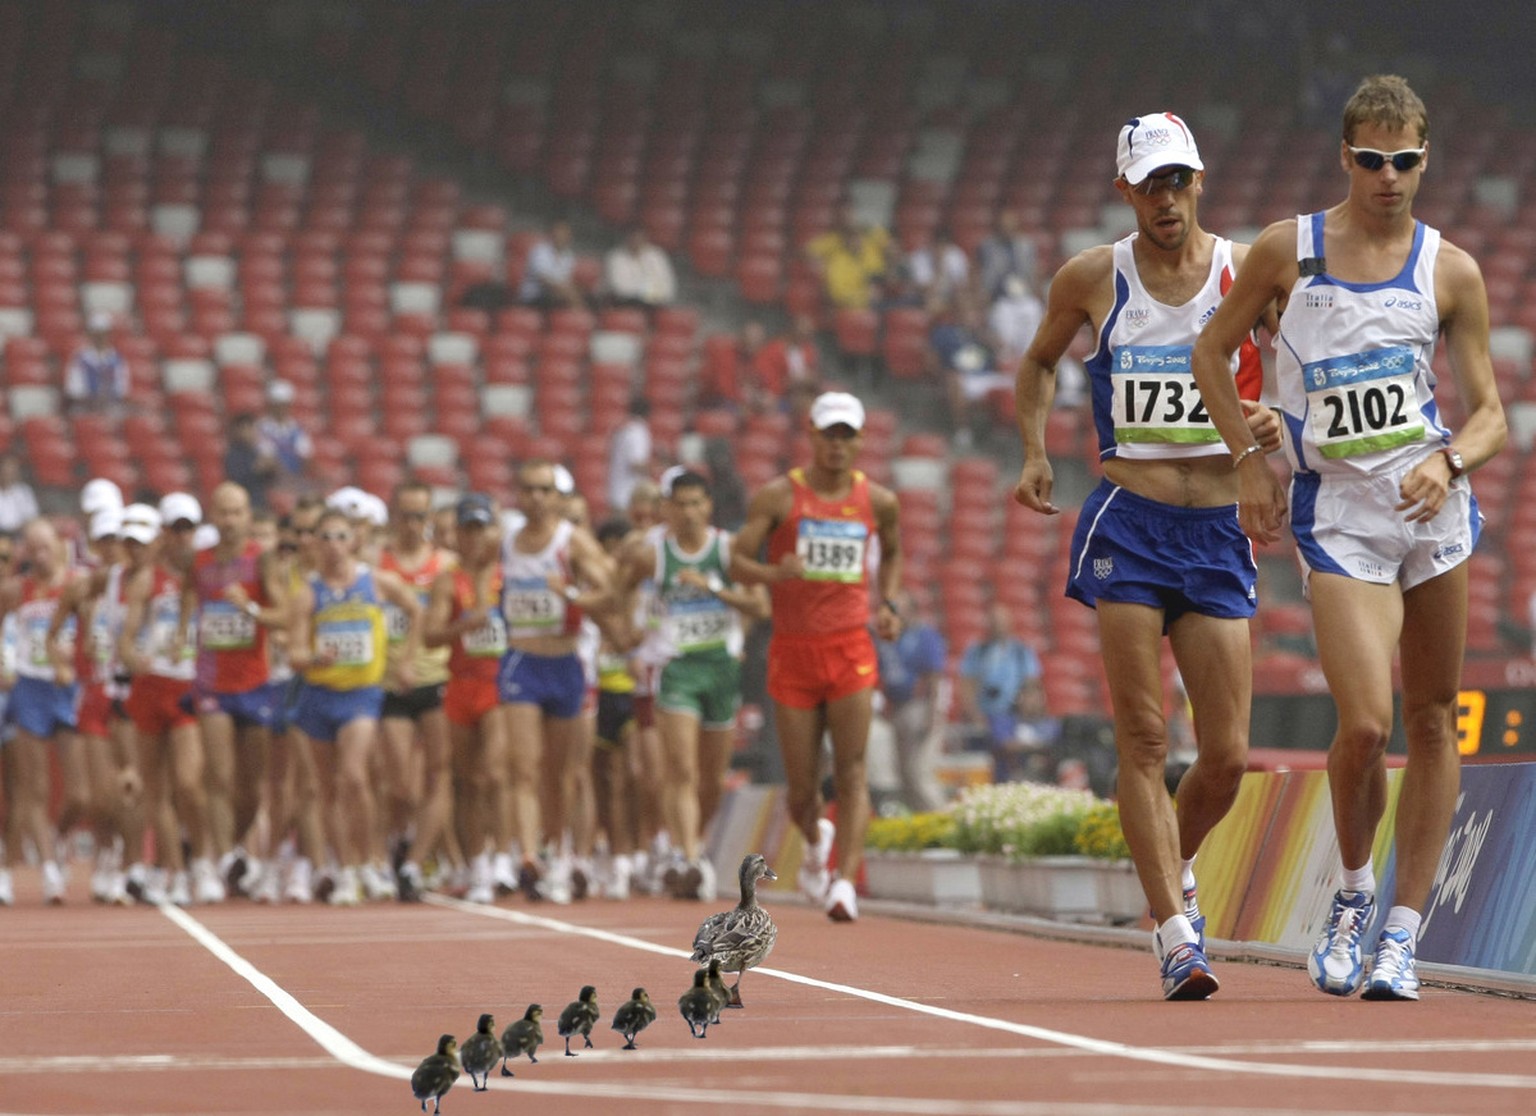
344	1050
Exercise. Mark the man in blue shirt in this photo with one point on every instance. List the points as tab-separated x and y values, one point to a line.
999	678
916	702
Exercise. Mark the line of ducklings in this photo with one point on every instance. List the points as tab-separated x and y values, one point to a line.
732	941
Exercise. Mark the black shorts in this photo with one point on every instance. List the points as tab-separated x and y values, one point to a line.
412	705
615	713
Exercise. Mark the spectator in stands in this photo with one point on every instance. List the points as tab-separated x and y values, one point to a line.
638	273
248	461
999	685
549	274
935	273
97	376
788	360
283	437
1007	252
739	381
1012	320
729	490
916	701
963	355
853	261
630	453
18	503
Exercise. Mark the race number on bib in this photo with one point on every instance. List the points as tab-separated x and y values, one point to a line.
489	640
348	644
532	604
223	627
700	629
832	550
1363	402
396	624
1155	398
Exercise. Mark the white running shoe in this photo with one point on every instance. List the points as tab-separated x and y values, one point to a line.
617	886
707	888
207	887
1393	974
7	891
504	873
180	892
156	889
301	888
347	892
378	882
53	883
268	889
842	901
814	877
556	886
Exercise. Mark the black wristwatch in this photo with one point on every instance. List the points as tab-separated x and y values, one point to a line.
1453	459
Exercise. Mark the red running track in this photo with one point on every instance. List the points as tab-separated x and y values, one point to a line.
248	1009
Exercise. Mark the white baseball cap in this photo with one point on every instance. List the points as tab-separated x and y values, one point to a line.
565	484
837	408
98	494
348	499
1158	139
105	523
178	506
374	510
141	523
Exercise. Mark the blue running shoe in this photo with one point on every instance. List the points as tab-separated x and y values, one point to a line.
1196	919
1393	976
1336	964
1187	974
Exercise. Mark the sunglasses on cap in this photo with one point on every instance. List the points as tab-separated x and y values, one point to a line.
1368	158
1177	179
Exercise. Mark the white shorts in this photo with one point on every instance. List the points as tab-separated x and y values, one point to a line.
1350	525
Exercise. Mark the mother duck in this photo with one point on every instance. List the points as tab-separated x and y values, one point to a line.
741	937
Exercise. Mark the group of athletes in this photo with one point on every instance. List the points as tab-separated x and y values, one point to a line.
360	701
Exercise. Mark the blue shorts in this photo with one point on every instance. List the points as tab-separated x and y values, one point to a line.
43	708
555	683
253	707
320	713
284	696
1131	550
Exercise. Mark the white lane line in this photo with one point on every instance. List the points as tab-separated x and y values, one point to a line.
1184	1060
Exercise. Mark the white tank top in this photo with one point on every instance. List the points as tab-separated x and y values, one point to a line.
1352	363
530	606
1145	403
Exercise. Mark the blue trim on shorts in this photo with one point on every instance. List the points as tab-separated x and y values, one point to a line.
44	708
555	683
321	713
252	707
1304	490
1132	550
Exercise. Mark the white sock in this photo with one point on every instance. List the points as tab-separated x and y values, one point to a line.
1404	918
1361	879
1175	932
1187	873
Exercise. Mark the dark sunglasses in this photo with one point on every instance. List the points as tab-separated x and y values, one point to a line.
335	536
537	487
1368	158
1178	180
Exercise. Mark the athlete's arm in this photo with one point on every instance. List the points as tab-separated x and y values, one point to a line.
301	622
1267	273
1068	308
887	510
765	511
135	597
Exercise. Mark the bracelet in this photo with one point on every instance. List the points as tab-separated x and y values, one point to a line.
1238	460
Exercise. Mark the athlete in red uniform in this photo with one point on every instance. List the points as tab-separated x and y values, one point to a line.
821	525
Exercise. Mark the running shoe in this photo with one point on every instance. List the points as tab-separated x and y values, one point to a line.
7	892
207	887
408	885
528	882
300	887
1196	919
842	901
53	883
815	880
1393	976
347	889
1187	974
1336	964
180	892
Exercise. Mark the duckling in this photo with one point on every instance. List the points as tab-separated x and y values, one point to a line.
698	1004
634	1016
578	1018
480	1052
523	1036
717	987
741	937
436	1074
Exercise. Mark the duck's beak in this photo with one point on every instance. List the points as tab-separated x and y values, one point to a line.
769	873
